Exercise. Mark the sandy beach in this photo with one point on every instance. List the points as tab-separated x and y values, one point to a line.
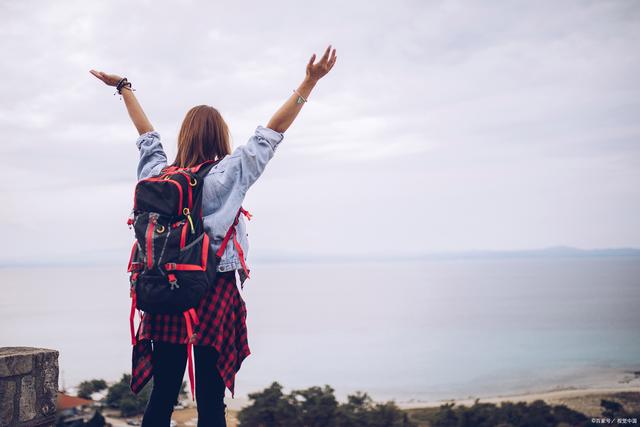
587	382
585	400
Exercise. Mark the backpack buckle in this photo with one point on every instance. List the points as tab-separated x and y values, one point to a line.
173	281
170	266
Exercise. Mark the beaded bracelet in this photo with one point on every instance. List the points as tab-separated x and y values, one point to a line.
300	97
121	85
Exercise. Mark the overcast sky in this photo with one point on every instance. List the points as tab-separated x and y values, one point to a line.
443	125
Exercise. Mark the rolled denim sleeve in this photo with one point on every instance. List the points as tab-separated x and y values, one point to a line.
248	161
271	136
152	156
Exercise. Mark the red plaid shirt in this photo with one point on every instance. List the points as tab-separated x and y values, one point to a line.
222	316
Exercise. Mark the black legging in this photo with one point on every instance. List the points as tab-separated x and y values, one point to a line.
169	362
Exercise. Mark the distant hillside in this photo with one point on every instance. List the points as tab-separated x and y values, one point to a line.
119	258
552	251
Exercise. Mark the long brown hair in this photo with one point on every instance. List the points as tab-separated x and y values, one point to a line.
204	135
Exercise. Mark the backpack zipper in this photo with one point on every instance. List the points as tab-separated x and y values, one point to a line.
164	246
189	185
150	227
187	213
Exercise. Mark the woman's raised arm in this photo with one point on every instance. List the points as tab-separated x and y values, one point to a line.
139	118
283	118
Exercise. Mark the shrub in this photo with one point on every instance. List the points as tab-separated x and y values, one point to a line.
87	388
318	407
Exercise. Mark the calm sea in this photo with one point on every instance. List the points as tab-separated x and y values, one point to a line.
422	330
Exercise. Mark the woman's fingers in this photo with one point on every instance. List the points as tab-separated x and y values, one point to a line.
99	75
108	79
323	66
332	59
326	54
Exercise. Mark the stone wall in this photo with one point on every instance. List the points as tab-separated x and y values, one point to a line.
28	386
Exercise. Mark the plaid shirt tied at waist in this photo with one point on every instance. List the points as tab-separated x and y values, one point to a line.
222	325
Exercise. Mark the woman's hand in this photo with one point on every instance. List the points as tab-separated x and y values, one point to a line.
316	71
139	118
284	117
108	79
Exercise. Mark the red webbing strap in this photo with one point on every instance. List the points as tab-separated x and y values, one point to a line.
192	311
237	245
131	317
169	266
168	169
184	267
183	234
205	251
230	232
133	251
246	213
189	353
241	254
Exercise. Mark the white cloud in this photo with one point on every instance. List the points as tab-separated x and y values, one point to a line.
444	125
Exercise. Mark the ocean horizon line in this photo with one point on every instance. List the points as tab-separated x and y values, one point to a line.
112	258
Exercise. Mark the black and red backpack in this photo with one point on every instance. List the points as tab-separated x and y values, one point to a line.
171	264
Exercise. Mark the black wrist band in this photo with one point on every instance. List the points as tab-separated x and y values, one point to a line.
122	83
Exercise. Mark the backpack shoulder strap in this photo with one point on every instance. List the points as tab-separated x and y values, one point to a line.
202	169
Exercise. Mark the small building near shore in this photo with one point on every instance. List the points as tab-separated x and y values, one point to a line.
72	409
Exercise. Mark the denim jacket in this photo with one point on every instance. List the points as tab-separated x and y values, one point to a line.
224	187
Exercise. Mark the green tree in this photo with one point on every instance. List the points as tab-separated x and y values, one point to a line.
354	412
537	413
317	407
269	408
87	388
387	415
445	416
120	396
611	409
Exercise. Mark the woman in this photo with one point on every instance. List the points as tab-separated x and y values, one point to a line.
220	343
